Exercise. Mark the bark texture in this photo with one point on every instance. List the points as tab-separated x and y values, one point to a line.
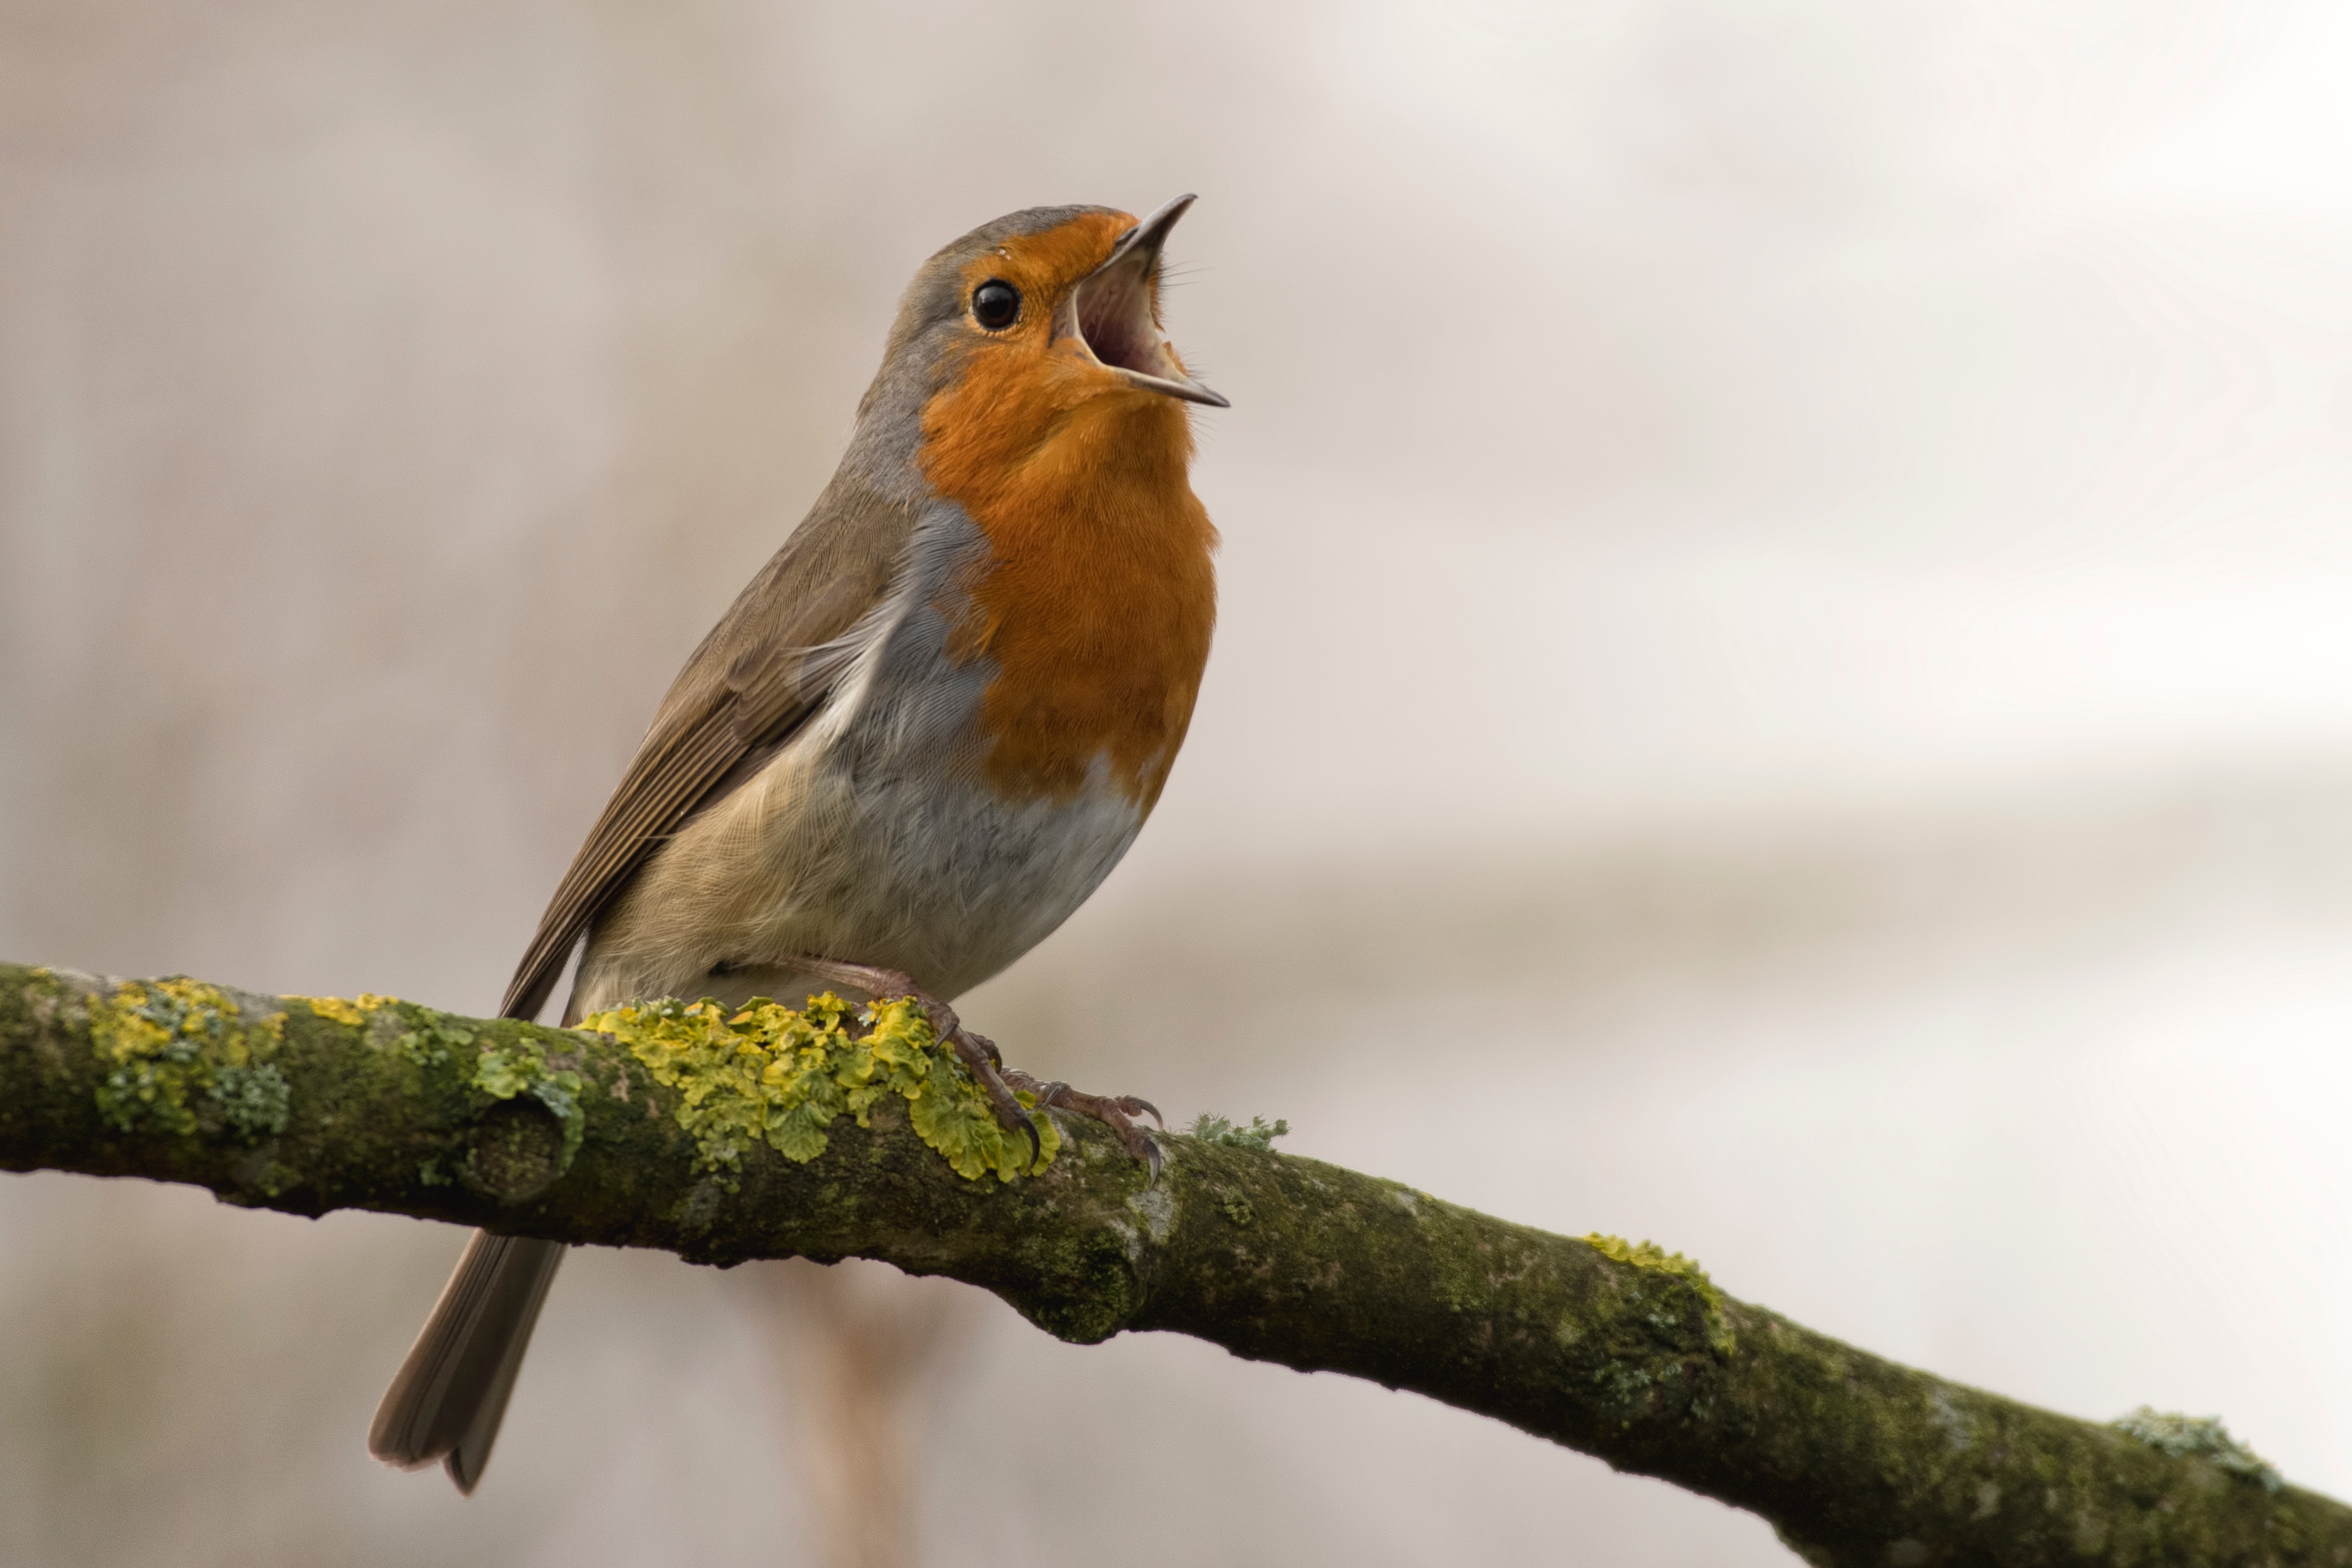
1619	1351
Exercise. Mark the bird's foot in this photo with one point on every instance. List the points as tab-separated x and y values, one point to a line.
1117	1112
977	1052
986	1063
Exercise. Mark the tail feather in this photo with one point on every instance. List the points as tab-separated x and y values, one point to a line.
450	1394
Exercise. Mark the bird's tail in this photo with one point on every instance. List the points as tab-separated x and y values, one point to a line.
451	1392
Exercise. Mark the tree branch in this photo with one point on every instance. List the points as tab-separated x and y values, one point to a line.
1620	1351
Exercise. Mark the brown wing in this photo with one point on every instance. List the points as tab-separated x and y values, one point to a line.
759	675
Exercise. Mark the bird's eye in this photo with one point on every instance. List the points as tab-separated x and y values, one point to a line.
995	304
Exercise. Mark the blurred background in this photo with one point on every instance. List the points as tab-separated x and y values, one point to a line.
1784	687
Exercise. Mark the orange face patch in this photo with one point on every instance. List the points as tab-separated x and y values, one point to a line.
1099	599
1043	266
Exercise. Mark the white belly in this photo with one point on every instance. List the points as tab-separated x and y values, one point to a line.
923	870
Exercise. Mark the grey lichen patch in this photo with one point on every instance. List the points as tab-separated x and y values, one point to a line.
1629	1385
1944	1413
255	1100
183	1057
2202	1436
779	1076
1158	1209
1259	1134
1649	1255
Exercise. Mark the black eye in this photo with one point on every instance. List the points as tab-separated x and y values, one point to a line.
995	304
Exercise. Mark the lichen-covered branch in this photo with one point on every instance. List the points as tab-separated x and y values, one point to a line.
822	1135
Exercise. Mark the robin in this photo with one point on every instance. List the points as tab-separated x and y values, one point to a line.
919	739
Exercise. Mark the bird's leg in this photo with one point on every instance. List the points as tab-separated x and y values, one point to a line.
979	1053
1116	1111
976	1051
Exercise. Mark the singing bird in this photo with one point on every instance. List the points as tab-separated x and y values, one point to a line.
919	739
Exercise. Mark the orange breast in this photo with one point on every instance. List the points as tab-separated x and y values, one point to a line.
1098	600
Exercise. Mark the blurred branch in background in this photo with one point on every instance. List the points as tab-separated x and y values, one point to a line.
859	1352
1622	1351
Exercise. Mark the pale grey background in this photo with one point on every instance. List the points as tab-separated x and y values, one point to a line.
1785	686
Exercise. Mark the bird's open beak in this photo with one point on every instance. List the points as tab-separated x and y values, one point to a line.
1111	312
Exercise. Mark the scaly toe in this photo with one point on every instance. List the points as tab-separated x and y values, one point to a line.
975	1052
1113	1112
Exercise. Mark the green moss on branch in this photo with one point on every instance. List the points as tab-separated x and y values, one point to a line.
726	1137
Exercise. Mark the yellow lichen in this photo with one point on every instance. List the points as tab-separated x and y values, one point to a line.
171	1044
353	1012
1658	1261
771	1075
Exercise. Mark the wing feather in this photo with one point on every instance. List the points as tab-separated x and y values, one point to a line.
766	667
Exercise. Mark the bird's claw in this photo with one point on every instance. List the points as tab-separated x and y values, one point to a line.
995	1057
1115	1112
980	1056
